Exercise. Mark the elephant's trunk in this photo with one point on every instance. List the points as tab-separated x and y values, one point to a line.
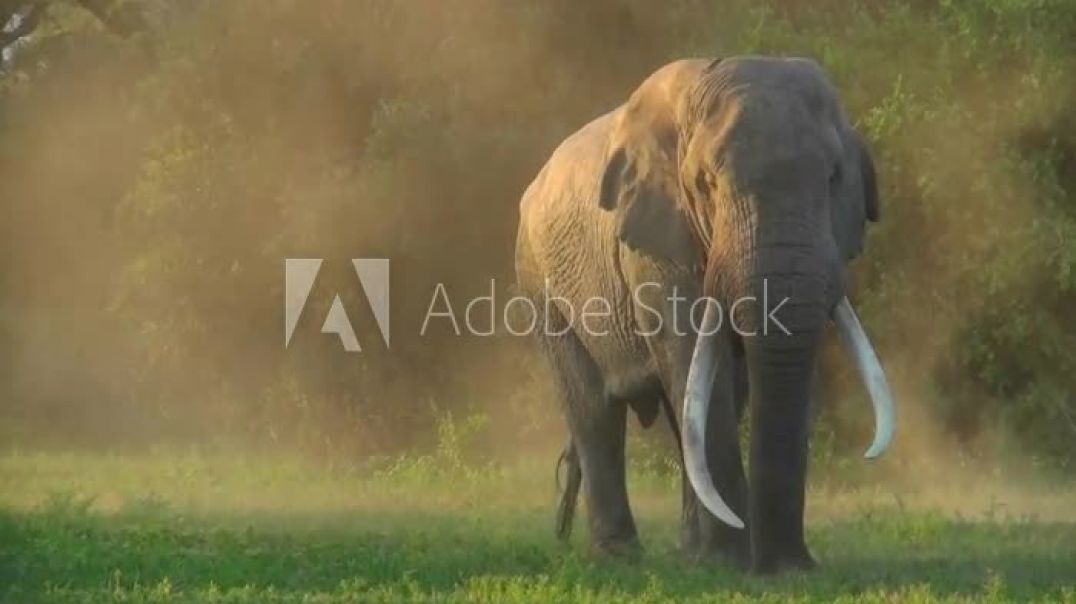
781	334
781	356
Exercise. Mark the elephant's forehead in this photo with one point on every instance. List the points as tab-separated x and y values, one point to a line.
798	76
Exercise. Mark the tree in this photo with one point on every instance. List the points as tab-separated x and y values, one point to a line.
20	18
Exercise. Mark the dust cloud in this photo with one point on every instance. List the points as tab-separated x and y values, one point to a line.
153	189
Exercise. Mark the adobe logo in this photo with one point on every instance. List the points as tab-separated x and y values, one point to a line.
299	277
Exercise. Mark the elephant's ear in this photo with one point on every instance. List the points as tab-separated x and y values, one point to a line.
857	200
640	186
870	180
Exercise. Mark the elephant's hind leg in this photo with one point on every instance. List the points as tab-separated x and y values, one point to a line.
569	493
597	426
600	437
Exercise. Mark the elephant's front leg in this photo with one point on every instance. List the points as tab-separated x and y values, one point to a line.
670	337
702	534
724	457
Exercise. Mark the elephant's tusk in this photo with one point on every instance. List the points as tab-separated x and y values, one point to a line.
870	370
700	384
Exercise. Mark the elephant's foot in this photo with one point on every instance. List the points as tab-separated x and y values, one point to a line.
732	552
708	541
617	549
796	559
724	557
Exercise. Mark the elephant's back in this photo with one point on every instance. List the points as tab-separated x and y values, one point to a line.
567	234
568	249
571	175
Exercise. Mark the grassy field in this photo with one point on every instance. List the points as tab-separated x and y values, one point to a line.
198	527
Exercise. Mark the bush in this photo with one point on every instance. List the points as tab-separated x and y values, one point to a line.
153	195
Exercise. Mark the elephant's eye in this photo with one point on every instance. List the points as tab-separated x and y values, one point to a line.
835	175
702	185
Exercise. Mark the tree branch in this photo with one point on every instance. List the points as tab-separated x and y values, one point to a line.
28	20
123	19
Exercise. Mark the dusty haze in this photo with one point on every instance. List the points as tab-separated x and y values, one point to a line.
154	187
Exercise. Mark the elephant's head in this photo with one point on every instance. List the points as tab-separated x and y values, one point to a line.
748	170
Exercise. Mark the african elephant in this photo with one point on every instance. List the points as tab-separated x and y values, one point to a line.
723	181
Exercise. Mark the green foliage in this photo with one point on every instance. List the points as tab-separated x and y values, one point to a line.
235	529
454	458
152	197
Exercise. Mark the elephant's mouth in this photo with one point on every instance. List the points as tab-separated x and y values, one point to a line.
700	383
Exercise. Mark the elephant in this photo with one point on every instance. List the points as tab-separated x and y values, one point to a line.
721	181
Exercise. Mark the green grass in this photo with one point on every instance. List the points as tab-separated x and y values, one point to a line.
198	527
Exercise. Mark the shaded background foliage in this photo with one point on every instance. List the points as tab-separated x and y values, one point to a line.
155	178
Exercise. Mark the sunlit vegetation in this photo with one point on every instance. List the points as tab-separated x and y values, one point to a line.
190	527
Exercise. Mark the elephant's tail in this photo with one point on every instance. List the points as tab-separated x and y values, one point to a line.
569	495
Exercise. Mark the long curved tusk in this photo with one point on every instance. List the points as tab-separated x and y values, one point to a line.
700	383
870	370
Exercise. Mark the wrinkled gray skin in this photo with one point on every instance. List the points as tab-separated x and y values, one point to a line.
715	176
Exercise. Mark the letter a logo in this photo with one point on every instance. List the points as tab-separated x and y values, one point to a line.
299	277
